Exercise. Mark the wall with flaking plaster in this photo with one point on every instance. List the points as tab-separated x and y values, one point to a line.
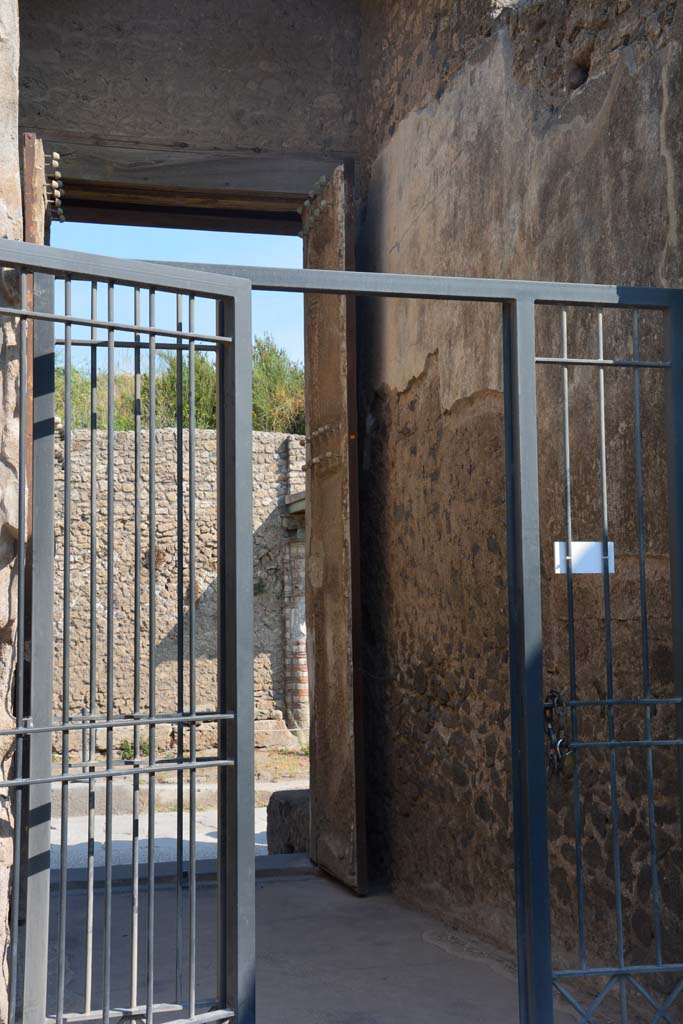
540	141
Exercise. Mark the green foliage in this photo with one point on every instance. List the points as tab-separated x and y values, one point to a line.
278	389
278	393
166	411
80	397
124	392
126	750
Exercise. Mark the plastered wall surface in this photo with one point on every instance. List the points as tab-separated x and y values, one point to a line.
277	465
194	82
542	143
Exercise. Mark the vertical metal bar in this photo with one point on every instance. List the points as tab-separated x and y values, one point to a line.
84	733
135	885
673	325
609	673
193	672
578	850
19	676
526	672
90	904
181	651
42	645
106	986
644	640
152	662
66	640
236	947
520	916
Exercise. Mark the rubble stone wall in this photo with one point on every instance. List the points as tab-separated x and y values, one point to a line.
276	459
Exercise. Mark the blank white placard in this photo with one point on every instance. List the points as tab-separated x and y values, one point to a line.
586	556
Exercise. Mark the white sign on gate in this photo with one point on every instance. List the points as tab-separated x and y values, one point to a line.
586	556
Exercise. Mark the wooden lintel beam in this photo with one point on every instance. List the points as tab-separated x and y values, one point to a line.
116	193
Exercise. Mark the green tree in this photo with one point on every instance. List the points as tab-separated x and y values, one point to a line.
278	393
80	397
124	392
165	406
278	389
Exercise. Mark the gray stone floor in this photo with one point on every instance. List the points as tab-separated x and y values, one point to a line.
324	957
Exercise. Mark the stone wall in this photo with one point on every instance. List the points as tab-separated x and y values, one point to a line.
10	227
277	459
539	141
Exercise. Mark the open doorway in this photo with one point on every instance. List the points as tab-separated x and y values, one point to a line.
281	706
126	384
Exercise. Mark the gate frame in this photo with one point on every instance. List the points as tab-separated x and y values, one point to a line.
236	869
518	300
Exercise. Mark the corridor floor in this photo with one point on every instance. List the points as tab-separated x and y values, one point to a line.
324	957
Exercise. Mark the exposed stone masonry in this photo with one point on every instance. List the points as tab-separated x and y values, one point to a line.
10	227
277	466
544	144
412	51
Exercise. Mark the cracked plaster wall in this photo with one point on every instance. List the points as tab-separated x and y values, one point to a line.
542	141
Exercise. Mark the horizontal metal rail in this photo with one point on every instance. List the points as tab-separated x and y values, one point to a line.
623	744
212	279
83	266
154	768
415	286
618	702
79	725
58	318
135	346
133	1012
597	972
628	364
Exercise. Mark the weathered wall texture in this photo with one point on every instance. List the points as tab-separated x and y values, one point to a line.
10	227
251	80
278	460
543	143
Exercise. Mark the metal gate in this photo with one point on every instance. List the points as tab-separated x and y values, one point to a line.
552	734
124	941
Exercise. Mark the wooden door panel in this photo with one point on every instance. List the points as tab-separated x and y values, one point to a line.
337	792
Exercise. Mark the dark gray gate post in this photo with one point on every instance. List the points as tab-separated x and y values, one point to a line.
40	751
236	869
674	443
526	670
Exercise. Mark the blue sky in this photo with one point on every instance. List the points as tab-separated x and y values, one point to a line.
275	313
